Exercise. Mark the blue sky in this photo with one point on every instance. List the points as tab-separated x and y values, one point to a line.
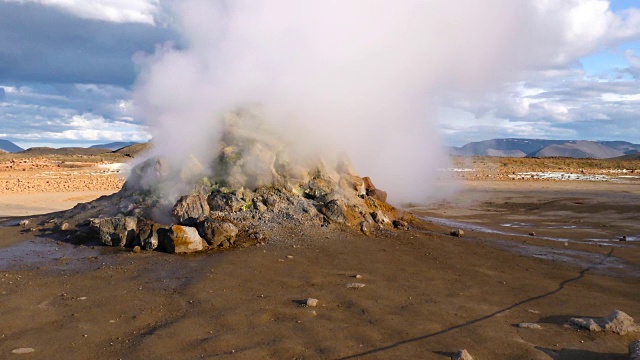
68	69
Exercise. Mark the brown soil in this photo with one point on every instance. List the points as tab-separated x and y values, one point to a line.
427	294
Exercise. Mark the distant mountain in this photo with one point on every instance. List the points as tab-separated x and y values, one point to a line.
64	151
578	149
504	147
113	146
8	146
546	148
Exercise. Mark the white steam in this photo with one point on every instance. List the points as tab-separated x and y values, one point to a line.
354	76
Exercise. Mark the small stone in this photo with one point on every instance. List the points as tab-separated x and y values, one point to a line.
400	224
457	233
526	325
23	223
624	238
358	276
566	243
311	302
136	249
289	257
82	298
532	234
23	350
64	226
355	285
462	354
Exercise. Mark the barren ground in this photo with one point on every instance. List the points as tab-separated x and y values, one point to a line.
427	294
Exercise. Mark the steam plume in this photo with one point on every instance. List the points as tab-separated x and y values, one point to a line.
357	76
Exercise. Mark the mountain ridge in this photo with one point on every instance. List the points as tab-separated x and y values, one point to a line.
523	147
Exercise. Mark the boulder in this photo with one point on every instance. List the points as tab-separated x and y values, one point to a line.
182	239
190	209
634	350
215	232
353	183
617	322
148	235
335	211
118	230
377	194
225	202
318	188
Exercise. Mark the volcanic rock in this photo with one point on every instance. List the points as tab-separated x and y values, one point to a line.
225	202
373	191
462	354
617	322
457	233
634	350
319	188
335	211
380	218
191	209
400	224
215	232
118	230
183	239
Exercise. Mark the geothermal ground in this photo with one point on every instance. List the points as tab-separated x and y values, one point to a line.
535	250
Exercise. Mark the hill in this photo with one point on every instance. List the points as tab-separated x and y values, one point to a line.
113	145
8	146
133	150
512	147
38	151
578	149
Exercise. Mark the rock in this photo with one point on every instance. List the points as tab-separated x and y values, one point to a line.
355	285
351	183
225	202
118	230
365	227
335	211
136	249
215	232
532	234
23	223
380	218
624	238
259	205
358	276
319	188
526	325
634	350
400	224
183	239
23	350
372	191
377	194
190	209
311	302
617	322
148	235
457	233
64	226
462	354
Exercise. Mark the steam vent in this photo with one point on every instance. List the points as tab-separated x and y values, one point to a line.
252	189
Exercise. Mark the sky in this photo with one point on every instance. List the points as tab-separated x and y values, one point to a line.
69	69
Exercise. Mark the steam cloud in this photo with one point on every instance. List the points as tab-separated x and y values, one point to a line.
359	76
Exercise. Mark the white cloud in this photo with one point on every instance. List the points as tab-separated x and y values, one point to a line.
118	11
88	127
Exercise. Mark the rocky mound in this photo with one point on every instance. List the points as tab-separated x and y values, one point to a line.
251	189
